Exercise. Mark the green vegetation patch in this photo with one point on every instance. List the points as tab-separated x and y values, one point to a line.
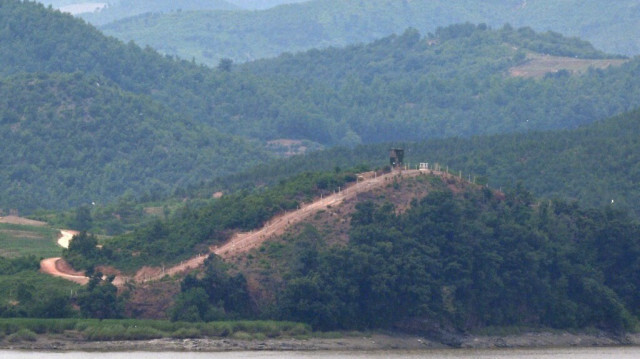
23	240
131	329
472	259
28	293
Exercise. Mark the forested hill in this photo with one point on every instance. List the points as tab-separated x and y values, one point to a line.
595	165
83	128
453	83
405	87
457	258
246	36
71	139
422	252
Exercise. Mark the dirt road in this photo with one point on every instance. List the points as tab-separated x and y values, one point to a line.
245	241
58	268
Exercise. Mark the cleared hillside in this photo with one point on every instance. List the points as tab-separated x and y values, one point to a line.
537	65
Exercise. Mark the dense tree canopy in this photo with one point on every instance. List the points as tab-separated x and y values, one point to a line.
408	87
473	260
592	165
72	139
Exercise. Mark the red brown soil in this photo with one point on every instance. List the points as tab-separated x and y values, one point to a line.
58	267
151	300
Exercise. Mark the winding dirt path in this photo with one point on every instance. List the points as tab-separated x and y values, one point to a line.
57	267
240	242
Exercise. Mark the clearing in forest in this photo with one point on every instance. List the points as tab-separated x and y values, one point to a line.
538	65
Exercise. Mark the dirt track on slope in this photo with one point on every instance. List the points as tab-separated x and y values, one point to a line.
57	267
244	241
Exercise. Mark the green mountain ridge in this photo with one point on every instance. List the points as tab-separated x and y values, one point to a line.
245	36
594	165
453	83
71	139
407	87
263	4
116	10
461	257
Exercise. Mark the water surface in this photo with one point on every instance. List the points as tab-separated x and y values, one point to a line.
553	353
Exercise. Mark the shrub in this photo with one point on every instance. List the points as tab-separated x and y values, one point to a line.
217	329
107	332
184	333
22	335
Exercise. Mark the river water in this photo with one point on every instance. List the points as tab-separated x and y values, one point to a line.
562	353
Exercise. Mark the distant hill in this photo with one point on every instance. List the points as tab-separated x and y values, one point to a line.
454	82
71	139
404	87
262	4
99	12
82	126
209	36
116	10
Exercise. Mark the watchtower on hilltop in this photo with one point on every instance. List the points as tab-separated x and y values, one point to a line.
396	157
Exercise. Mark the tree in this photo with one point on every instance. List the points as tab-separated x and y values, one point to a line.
225	65
100	299
83	251
82	220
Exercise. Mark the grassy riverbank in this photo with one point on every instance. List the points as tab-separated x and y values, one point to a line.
27	329
129	334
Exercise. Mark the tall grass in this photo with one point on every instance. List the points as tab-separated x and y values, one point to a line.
133	329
